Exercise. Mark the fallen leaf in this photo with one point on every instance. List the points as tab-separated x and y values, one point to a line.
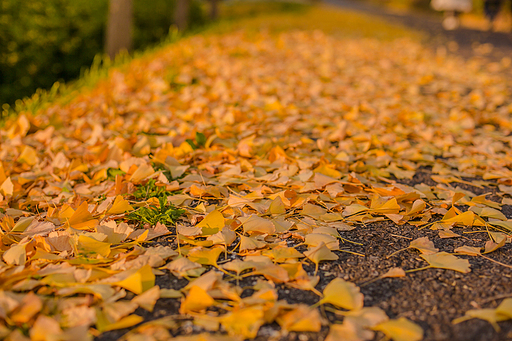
320	253
394	272
137	280
301	319
342	294
120	206
443	260
147	299
256	224
243	322
197	300
400	330
423	245
490	315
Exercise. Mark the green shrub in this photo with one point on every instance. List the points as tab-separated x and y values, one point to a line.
45	41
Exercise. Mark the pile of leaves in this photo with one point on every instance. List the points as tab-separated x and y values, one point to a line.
235	165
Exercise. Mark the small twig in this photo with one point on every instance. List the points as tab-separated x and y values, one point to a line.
498	297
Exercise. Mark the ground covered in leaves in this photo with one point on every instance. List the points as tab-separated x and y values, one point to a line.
268	186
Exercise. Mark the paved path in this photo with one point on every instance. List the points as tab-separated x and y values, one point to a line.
466	38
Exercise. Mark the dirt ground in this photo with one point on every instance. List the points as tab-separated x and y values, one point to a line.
432	298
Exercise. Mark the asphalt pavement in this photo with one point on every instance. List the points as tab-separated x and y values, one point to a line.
497	45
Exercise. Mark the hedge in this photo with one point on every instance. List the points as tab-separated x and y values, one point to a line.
45	41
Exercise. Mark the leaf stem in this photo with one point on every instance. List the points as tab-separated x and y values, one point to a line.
419	269
352	252
497	262
394	253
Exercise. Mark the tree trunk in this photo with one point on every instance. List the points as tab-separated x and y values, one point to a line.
119	27
182	13
214	9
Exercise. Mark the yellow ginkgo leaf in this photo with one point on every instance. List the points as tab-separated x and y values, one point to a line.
239	266
250	243
256	224
488	212
423	245
148	298
3	177
120	206
212	223
225	237
389	207
313	210
393	273
15	255
348	331
90	245
467	218
28	156
125	322
417	206
81	219
328	171
490	315
185	267
301	319
272	272
314	239
443	260
45	328
142	172
205	256
320	253
197	300
400	330
505	308
277	206
7	187
22	224
281	254
366	317
30	306
468	250
244	322
342	294
137	280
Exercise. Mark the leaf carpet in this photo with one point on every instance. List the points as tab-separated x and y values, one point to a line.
236	169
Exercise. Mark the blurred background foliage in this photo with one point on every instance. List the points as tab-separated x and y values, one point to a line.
45	41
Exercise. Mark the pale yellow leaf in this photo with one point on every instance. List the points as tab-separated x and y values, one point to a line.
343	294
197	300
443	260
148	298
400	330
120	206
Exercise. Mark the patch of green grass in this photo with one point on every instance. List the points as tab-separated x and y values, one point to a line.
113	172
150	190
164	213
